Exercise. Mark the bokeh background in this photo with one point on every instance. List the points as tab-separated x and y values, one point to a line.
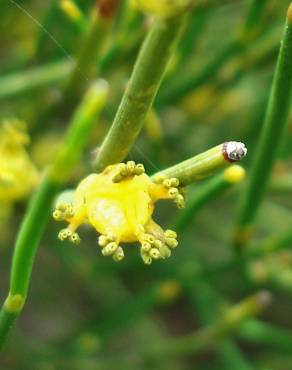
86	312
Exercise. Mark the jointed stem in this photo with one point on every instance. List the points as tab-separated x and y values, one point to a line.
23	82
205	164
141	90
40	206
276	120
86	64
256	331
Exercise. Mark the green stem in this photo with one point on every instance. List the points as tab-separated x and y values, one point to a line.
33	224
205	193
41	38
23	82
206	163
207	337
39	208
276	120
86	65
141	90
258	332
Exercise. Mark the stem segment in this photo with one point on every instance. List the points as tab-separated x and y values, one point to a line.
39	209
23	82
141	90
276	120
206	163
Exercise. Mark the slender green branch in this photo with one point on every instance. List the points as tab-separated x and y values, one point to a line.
39	208
232	357
205	193
206	338
276	120
86	64
23	82
206	163
193	33
259	332
40	42
141	90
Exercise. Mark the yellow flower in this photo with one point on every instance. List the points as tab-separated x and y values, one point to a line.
119	204
18	175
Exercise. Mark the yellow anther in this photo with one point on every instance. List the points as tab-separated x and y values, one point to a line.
64	234
171	242
139	169
157	243
154	253
159	178
174	182
131	166
146	259
167	183
123	169
149	238
74	238
119	254
111	236
165	252
57	215
102	241
180	201
173	192
146	247
109	249
170	234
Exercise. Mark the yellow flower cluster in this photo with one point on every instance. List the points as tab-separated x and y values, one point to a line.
119	203
18	175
